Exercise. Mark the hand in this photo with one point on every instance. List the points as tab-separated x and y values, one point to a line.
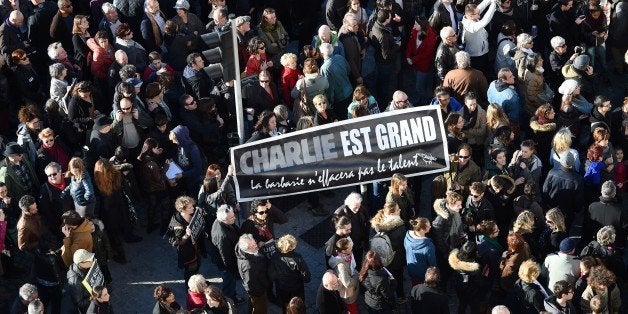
580	19
300	76
250	111
409	61
522	165
264	66
162	70
520	181
178	176
119	115
136	114
66	230
220	120
397	18
188	231
534	7
230	170
7	200
619	185
589	70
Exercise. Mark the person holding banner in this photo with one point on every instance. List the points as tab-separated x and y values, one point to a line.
266	124
100	301
179	235
260	224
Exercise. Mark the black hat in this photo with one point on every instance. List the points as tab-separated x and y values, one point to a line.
13	148
101	122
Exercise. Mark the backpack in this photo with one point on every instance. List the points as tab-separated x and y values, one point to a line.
381	244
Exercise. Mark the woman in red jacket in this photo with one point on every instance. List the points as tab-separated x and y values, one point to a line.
103	53
420	56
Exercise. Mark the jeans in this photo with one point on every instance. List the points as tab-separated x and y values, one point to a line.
228	284
598	52
424	86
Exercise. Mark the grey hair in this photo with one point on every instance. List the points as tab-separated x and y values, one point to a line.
445	31
608	189
61	3
322	29
55	70
119	53
36	307
463	60
557	41
326	49
606	235
352	198
54	50
243	242
106	7
281	112
223	212
127	71
523	39
53	164
28	292
197	283
348	17
500	309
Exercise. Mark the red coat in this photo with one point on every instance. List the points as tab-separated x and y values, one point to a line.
101	59
289	78
423	56
195	300
254	66
150	74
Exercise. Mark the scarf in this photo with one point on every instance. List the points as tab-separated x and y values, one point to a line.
60	186
267	27
543	120
57	154
155	28
262	228
456	221
492	241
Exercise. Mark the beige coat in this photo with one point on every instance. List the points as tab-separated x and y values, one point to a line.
477	134
534	85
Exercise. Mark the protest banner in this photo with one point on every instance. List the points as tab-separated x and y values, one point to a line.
94	277
196	224
356	151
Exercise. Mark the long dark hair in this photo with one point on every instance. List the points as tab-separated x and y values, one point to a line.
210	184
264	119
372	261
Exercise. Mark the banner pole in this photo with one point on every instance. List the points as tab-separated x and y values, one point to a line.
238	85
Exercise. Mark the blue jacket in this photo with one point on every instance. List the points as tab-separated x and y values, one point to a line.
82	192
507	98
454	105
420	255
336	70
188	155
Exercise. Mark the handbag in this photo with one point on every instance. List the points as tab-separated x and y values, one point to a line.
299	106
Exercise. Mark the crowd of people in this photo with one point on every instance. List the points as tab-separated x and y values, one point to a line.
109	122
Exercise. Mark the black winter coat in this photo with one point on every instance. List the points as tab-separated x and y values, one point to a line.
328	302
225	239
428	300
606	212
386	49
467	276
254	272
187	252
529	297
289	272
379	292
76	290
359	224
395	229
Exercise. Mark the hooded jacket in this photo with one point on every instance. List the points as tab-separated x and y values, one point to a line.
552	306
188	155
507	98
253	269
529	297
475	36
420	255
80	296
467	276
395	229
348	278
289	271
379	292
80	238
561	266
386	49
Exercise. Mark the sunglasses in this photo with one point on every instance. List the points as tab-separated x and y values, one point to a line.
262	212
463	157
476	195
361	98
126	109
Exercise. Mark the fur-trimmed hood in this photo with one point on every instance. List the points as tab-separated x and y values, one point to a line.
440	207
459	265
386	223
537	127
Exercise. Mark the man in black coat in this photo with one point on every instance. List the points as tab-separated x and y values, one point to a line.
224	237
195	81
328	299
563	22
11	37
59	30
606	212
37	24
427	298
348	36
253	268
386	56
352	209
444	15
51	204
334	11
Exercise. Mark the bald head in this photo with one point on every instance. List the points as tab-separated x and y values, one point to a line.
324	33
330	281
16	18
121	57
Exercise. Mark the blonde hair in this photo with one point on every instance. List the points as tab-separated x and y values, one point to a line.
495	116
557	218
529	271
453	197
562	140
286	243
524	222
75	163
182	202
396	181
318	99
46	133
286	58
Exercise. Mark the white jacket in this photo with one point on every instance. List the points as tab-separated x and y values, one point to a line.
561	266
474	36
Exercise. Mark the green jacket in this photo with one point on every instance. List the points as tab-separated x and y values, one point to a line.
15	187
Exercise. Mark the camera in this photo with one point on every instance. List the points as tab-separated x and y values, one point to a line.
579	49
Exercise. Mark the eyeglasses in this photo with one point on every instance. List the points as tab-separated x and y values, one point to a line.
262	212
452	35
52	175
463	157
476	195
444	99
562	46
125	109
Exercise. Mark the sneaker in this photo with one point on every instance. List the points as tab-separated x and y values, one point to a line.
402	300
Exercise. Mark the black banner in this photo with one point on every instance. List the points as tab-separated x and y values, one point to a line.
356	151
